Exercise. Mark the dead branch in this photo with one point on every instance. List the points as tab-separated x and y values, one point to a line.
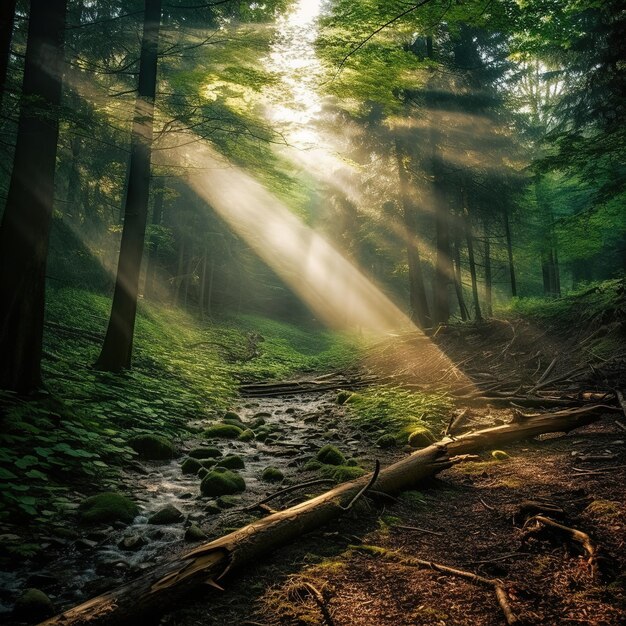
319	600
310	483
496	585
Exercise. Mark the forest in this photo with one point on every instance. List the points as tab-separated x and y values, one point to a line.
312	312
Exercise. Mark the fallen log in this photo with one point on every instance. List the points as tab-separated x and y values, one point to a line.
161	587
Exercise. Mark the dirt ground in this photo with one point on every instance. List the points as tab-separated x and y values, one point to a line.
471	517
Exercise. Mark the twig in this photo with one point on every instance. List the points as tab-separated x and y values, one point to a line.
487	506
497	585
504	557
365	489
421	530
573	533
319	599
310	483
545	374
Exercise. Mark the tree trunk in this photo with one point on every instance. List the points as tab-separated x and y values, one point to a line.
420	314
73	181
180	269
153	249
25	228
443	264
458	281
509	250
470	253
118	343
488	278
159	589
7	19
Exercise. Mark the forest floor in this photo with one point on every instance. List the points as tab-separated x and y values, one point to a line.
470	517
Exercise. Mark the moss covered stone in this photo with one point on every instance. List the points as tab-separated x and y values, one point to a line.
231	415
227	502
202	472
330	455
219	482
190	466
194	533
107	507
169	514
386	441
232	462
272	475
33	606
153	447
246	435
313	465
343	473
223	431
209	452
421	437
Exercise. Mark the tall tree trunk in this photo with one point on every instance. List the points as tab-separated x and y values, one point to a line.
470	253
209	301
203	279
25	228
458	281
509	250
180	270
73	181
420	314
118	342
153	249
7	19
443	265
488	279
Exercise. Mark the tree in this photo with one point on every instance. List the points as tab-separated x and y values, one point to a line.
118	342
25	227
7	17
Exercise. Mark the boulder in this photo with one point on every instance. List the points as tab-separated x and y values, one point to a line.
169	514
330	455
153	447
107	507
223	431
33	606
272	475
204	453
219	482
421	438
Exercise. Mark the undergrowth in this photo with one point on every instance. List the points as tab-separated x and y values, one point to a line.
397	411
76	432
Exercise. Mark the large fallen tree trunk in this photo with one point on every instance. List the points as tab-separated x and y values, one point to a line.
158	590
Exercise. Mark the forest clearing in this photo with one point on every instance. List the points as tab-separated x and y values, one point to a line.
312	312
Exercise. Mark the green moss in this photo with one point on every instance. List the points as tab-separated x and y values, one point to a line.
233	462
604	508
420	438
153	447
194	533
386	441
169	514
231	415
33	606
272	475
499	455
313	465
107	507
246	435
343	396
342	473
330	455
204	453
219	482
190	466
223	431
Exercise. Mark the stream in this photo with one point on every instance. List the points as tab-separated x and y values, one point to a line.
70	570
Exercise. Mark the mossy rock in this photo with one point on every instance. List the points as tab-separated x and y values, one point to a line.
231	415
352	463
194	533
223	431
330	455
190	466
33	606
227	502
421	438
220	482
232	462
272	475
153	447
386	441
313	465
343	397
343	473
205	453
107	507
246	435
169	514
202	472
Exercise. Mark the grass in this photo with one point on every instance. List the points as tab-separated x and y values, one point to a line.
397	411
77	433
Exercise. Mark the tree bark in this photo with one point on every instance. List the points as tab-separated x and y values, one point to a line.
488	278
470	253
25	228
160	588
443	264
7	19
118	344
153	249
458	281
509	250
420	314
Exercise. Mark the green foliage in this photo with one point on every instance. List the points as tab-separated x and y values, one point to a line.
397	410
